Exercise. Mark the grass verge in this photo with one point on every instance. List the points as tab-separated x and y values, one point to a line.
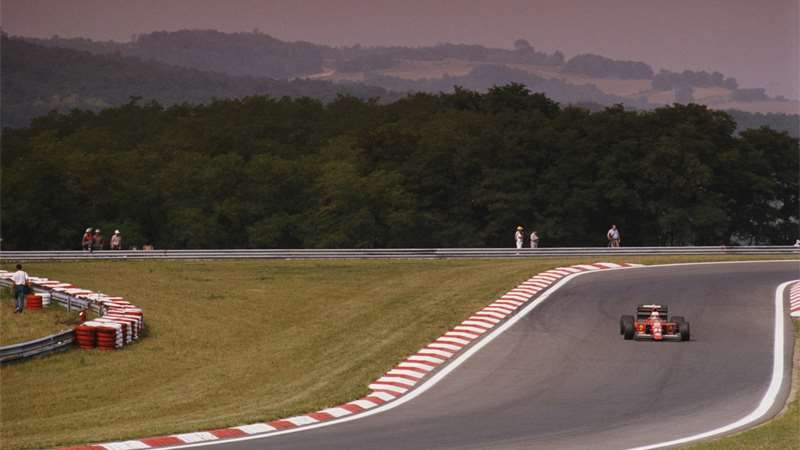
235	342
31	324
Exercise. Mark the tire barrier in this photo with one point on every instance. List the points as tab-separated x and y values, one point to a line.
122	324
86	337
33	301
119	322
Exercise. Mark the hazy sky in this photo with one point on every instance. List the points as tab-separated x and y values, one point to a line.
756	42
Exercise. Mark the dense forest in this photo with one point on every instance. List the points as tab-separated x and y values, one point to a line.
429	170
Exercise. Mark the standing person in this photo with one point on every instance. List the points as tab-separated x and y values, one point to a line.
613	236
534	239
98	239
116	241
519	236
86	241
20	280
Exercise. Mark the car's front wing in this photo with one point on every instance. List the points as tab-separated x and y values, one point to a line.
649	337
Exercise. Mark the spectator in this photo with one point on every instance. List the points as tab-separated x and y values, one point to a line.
534	239
116	241
20	280
86	242
518	236
797	242
98	240
613	236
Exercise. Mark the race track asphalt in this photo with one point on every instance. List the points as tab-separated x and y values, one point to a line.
563	377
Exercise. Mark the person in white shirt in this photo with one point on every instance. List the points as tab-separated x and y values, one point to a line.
534	240
116	241
613	236
518	236
20	280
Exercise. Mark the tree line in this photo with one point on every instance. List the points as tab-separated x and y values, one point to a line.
602	67
483	77
667	80
461	169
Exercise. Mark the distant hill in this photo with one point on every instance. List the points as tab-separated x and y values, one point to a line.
623	81
633	83
484	76
790	123
197	65
251	54
38	79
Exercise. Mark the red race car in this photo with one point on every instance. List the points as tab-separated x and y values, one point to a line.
651	324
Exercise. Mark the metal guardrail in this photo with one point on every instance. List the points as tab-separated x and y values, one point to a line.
49	344
428	253
66	300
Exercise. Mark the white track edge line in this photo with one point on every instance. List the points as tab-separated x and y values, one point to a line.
770	396
446	369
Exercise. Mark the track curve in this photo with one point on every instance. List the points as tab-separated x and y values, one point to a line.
562	377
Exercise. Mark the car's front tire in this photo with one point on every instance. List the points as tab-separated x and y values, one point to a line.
622	323
626	323
683	329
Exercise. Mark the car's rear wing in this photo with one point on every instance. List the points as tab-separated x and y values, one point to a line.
644	311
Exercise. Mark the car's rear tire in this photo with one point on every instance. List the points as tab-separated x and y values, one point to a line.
683	329
627	327
678	319
622	323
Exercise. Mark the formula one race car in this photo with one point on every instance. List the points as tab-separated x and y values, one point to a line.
651	323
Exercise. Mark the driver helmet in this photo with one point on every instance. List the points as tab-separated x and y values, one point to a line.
654	314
